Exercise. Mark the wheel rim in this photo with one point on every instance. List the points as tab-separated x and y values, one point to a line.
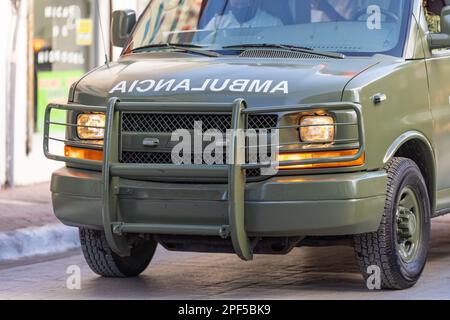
408	225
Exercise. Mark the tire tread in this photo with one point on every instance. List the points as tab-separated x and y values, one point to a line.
376	248
98	254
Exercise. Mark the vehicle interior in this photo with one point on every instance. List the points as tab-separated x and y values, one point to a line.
301	12
332	25
435	6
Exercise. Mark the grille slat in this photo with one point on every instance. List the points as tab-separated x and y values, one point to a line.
166	158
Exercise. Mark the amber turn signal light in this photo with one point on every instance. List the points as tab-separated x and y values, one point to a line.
84	154
320	155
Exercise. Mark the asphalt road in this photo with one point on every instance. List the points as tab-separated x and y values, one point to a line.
307	273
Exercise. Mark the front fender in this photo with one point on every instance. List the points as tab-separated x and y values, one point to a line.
422	152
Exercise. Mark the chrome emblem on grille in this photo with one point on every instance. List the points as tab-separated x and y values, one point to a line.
151	142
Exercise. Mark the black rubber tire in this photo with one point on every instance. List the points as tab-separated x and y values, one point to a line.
103	261
380	248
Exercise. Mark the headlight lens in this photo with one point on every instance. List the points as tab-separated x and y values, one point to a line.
317	129
91	126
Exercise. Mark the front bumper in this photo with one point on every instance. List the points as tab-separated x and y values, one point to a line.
322	205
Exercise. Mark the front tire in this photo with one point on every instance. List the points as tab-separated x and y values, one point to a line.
103	261
400	246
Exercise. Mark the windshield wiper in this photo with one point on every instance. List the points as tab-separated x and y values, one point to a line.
289	47
190	48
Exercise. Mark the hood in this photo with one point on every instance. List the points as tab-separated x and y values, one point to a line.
182	77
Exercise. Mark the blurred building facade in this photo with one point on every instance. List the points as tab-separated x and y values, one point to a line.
49	44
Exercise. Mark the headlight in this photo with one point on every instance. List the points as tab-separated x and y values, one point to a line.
91	126
317	129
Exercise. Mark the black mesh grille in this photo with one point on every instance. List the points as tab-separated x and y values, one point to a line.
166	158
168	123
146	122
146	157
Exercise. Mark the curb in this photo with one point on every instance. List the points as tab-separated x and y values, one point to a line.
37	241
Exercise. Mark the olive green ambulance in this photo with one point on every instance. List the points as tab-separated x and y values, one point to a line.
355	99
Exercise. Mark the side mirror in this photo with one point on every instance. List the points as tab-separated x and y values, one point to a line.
441	40
123	22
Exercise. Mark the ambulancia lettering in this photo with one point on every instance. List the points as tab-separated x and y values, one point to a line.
212	85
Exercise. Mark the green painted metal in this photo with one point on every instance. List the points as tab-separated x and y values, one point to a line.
409	218
110	214
323	205
194	170
404	138
328	107
237	182
183	229
235	172
48	137
312	188
167	170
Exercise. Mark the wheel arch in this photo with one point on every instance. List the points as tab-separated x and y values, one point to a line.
415	146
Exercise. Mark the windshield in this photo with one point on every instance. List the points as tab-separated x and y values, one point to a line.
352	27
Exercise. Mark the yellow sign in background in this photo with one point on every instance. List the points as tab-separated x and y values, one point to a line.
84	32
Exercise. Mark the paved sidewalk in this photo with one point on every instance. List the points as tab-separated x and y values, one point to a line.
28	227
25	207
